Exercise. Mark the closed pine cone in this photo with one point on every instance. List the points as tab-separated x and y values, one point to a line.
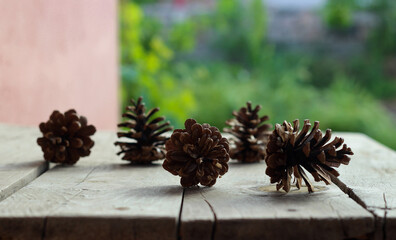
66	137
250	132
147	143
290	150
198	154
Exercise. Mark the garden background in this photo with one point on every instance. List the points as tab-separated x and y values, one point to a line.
332	61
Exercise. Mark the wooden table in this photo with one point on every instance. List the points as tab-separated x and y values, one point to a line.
103	197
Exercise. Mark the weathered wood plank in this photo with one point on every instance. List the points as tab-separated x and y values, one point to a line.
101	197
197	219
243	205
21	160
369	179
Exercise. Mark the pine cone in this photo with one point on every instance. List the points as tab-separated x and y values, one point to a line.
199	154
289	151
147	144
250	132
66	137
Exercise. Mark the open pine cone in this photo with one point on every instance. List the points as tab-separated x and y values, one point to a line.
290	150
66	137
198	154
250	132
147	143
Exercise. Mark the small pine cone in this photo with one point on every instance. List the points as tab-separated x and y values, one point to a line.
66	137
290	150
147	143
198	154
250	132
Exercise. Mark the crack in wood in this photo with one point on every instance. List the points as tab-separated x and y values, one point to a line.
377	221
178	227
63	203
344	230
381	208
134	230
13	188
385	215
212	236
86	177
44	228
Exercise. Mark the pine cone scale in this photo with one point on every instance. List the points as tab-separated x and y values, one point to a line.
63	134
151	113
74	127
145	133
250	134
288	147
76	143
197	154
180	156
155	121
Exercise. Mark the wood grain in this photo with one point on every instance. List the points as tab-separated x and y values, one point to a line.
369	179
101	197
243	205
21	159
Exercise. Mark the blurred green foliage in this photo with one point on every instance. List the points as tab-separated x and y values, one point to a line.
182	36
242	66
383	40
239	31
338	14
145	68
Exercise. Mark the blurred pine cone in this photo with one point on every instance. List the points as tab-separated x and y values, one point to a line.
66	137
199	154
147	143
289	151
250	132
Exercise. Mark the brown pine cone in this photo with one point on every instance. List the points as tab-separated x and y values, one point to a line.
66	137
250	132
198	154
290	150
147	143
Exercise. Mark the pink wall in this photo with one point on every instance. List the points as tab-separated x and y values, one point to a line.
58	55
